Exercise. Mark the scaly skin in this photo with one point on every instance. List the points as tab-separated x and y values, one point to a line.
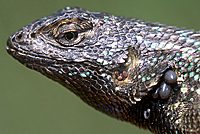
117	65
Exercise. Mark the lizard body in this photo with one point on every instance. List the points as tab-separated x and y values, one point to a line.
144	73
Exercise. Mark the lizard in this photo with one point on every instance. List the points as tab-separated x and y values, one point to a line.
144	73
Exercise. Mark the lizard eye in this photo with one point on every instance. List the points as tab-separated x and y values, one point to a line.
70	32
70	36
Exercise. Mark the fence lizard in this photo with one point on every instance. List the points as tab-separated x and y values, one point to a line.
140	72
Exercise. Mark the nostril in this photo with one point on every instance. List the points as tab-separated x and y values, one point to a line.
32	35
19	36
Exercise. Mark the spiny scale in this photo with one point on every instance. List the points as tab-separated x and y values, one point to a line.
144	73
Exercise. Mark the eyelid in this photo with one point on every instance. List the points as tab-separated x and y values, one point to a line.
60	35
61	29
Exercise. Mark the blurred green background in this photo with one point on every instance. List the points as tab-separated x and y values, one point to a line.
33	104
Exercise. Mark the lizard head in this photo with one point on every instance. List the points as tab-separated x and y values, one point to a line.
87	52
126	68
92	54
